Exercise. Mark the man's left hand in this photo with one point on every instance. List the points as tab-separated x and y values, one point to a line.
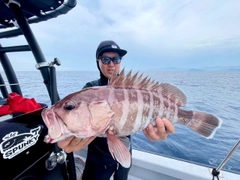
163	128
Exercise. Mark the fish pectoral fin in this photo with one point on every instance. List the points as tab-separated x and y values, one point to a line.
118	150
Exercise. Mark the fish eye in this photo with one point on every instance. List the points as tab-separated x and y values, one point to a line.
69	106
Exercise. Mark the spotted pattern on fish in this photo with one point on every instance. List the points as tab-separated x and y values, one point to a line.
135	108
142	101
149	118
147	108
123	107
133	102
158	108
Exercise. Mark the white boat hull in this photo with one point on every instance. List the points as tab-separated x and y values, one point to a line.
148	166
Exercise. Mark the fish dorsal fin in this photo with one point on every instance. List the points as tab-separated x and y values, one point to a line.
174	93
136	81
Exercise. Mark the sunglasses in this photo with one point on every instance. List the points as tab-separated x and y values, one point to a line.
107	60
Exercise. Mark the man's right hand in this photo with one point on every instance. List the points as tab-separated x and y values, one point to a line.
73	144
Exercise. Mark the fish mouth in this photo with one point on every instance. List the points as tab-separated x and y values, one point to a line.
53	123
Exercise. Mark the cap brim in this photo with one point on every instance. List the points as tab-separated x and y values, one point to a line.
121	52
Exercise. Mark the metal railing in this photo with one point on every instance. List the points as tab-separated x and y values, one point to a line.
216	172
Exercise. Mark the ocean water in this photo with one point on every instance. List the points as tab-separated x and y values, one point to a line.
217	93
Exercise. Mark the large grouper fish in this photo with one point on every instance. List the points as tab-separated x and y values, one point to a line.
123	107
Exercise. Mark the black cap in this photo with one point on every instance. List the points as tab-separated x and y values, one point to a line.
109	46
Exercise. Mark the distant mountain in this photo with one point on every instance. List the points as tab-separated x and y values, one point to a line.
167	69
222	68
195	70
214	68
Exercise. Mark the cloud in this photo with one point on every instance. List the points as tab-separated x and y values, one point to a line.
171	23
155	33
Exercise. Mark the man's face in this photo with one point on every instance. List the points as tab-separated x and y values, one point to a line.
109	69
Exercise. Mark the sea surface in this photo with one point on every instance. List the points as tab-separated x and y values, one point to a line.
217	93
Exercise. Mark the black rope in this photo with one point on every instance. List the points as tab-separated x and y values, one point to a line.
215	173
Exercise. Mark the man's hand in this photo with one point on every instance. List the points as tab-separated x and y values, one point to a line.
163	128
73	144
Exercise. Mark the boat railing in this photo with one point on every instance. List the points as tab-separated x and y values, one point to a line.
217	172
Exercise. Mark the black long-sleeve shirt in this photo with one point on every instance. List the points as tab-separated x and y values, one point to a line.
98	149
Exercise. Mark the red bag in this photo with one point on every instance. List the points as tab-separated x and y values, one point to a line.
18	104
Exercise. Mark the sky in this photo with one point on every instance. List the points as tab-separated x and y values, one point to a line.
156	34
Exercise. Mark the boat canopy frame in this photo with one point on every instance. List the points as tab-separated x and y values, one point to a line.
15	19
15	16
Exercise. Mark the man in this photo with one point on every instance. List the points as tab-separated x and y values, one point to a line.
99	163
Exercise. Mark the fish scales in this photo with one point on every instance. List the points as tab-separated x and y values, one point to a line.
135	105
126	105
121	101
138	108
147	100
130	114
133	110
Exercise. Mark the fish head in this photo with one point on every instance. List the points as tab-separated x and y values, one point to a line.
78	118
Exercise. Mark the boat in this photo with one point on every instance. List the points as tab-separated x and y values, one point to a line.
23	154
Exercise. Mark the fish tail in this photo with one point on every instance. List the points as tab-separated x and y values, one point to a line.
203	123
